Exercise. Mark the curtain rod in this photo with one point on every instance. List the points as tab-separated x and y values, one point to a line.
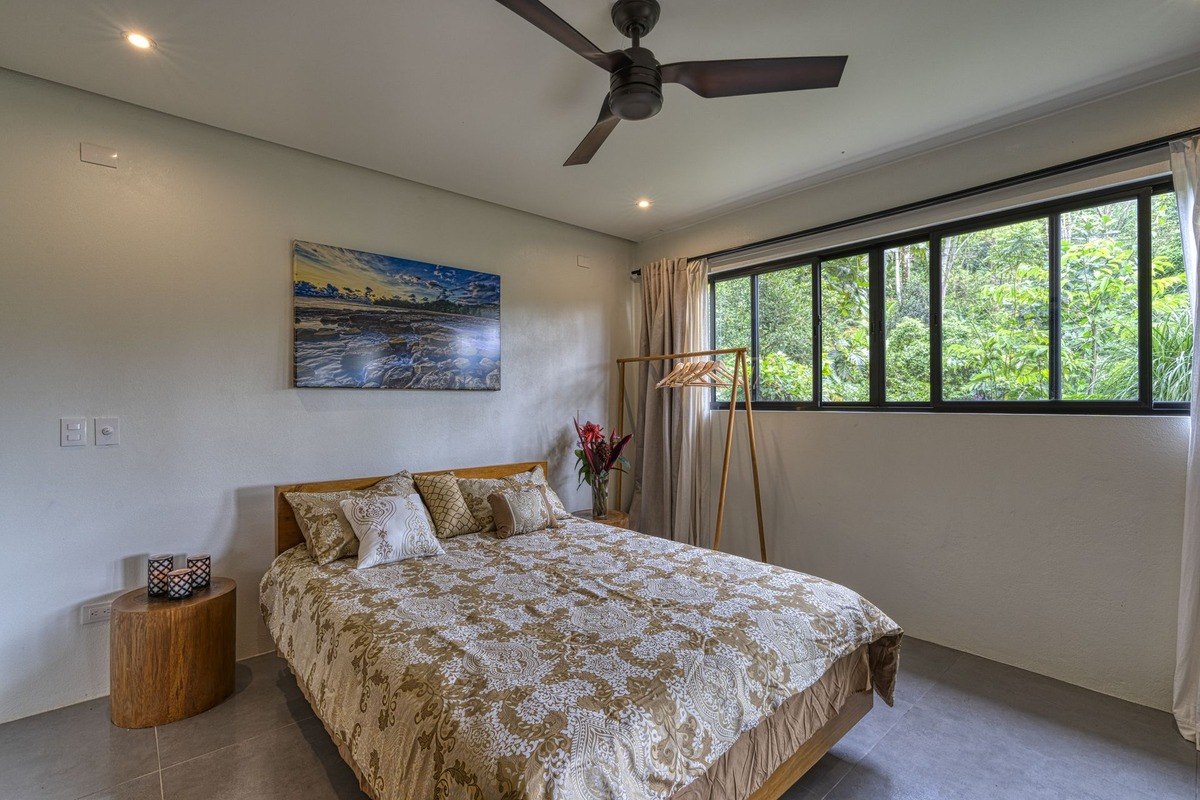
961	194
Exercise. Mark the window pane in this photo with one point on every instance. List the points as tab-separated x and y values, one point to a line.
906	323
785	334
1171	343
996	313
1098	301
732	319
845	327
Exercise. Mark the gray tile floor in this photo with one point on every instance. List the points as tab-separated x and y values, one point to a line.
962	728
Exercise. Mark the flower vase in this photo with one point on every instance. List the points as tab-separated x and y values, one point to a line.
600	497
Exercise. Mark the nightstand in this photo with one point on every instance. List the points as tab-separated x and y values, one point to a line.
618	519
170	659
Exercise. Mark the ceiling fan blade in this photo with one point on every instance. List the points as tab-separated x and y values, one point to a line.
551	23
756	75
595	137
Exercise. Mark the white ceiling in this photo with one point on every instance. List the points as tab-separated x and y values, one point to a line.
465	95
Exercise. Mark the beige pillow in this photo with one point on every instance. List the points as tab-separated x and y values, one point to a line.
391	529
326	531
446	504
518	511
535	477
476	492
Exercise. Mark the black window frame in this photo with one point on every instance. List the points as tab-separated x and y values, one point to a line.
1051	210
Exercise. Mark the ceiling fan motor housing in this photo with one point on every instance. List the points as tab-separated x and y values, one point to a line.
635	90
635	17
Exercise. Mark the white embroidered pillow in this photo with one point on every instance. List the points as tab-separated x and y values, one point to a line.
391	529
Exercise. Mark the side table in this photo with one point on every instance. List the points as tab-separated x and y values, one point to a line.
170	659
618	519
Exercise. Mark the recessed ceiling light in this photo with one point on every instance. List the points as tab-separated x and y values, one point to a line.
139	40
643	203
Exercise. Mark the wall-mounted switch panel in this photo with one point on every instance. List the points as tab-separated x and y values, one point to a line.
583	261
97	154
108	430
72	432
95	612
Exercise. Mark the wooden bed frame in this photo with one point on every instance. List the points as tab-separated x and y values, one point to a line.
287	535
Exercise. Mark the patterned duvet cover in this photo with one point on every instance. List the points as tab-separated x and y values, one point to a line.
581	663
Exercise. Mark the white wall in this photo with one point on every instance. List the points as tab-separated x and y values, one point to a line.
160	293
1050	543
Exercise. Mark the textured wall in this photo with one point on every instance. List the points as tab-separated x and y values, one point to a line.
161	293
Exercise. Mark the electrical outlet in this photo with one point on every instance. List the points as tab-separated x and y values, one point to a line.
95	612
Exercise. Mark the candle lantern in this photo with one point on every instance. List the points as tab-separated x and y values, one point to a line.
179	584
201	567
157	569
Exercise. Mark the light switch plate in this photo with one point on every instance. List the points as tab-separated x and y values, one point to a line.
72	432
97	154
108	430
583	261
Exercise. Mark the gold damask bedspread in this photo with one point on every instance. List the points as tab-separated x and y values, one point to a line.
586	662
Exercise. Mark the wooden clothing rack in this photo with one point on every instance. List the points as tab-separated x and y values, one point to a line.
707	374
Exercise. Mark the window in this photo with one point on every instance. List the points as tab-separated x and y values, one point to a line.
1075	306
731	320
906	322
1171	339
995	287
1099	301
845	329
785	335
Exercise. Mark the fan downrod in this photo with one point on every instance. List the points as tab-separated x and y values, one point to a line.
635	18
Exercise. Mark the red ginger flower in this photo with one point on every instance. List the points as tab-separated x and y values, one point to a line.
591	432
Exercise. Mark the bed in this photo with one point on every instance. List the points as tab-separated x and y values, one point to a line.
580	663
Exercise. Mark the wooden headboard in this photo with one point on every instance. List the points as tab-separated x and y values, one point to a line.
287	531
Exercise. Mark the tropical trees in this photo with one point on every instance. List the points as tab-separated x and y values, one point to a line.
996	314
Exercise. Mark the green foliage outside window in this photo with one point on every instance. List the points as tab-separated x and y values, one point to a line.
995	296
845	330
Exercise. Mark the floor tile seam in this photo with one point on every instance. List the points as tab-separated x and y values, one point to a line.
234	744
294	721
115	785
162	795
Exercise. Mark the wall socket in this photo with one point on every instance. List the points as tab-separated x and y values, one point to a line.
95	612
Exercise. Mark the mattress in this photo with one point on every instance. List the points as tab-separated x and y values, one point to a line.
582	662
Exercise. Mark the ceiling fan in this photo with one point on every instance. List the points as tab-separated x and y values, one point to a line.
635	86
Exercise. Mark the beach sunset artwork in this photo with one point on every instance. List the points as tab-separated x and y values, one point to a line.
369	321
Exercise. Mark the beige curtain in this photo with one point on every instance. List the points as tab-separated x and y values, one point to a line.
1185	169
670	464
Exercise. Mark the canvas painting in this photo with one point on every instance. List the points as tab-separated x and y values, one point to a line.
370	321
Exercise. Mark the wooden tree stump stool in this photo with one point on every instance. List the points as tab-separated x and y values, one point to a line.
170	659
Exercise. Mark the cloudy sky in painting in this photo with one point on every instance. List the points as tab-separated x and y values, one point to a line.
389	275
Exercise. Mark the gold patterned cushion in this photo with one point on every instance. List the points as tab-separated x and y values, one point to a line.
326	531
518	511
391	529
476	492
446	504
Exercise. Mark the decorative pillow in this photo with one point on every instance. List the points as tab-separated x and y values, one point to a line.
535	477
323	524
519	511
477	491
391	529
446	504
